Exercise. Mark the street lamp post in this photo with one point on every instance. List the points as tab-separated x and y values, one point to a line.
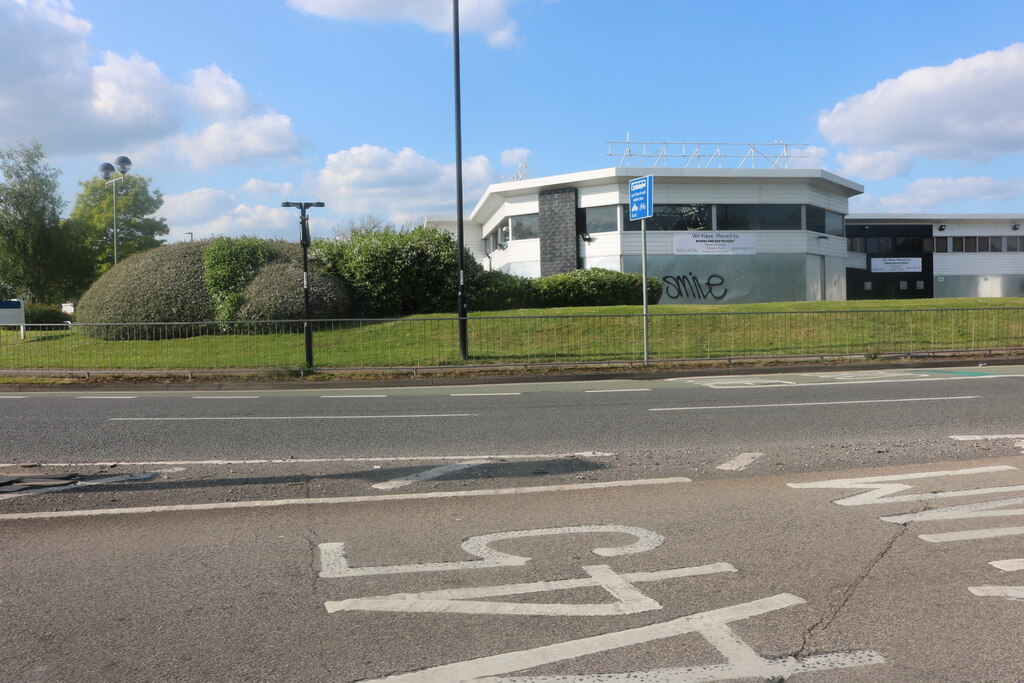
304	239
460	228
121	165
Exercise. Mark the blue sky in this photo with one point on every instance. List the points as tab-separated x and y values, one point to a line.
232	106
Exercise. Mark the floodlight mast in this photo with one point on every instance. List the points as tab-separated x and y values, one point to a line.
304	240
122	165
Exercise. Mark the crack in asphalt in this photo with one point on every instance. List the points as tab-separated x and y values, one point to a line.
833	612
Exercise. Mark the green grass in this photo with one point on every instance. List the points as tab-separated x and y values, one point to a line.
576	335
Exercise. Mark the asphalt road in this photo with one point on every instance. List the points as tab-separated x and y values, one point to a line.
815	527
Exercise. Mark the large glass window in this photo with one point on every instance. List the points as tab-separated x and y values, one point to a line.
828	222
759	217
941	245
525	227
674	217
1013	244
600	219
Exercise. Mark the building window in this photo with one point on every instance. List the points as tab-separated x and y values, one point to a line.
903	285
759	217
600	219
856	245
828	222
1013	244
525	227
995	244
941	245
971	245
958	244
673	217
867	285
920	285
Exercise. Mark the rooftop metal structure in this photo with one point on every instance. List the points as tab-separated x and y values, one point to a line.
707	154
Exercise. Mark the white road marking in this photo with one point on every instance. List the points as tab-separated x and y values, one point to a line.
426	475
108	397
973	535
558	488
334	564
991	508
499	393
354	396
740	462
1009	592
881	487
743	661
290	417
465	600
612	391
1009	565
5	396
985	437
207	397
285	461
819	403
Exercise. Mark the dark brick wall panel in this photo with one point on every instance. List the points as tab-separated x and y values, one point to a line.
558	231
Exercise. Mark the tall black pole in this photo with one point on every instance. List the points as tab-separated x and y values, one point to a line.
459	234
307	330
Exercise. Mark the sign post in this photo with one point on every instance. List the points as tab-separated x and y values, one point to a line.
13	313
641	207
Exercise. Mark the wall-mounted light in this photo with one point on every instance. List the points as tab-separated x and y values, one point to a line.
1016	226
942	227
585	236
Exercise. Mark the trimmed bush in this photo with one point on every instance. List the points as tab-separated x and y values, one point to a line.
228	266
276	294
595	287
499	291
393	273
161	285
43	314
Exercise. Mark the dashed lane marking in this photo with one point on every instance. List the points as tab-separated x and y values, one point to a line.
613	391
108	397
496	393
740	462
1009	565
209	397
426	475
235	505
985	437
354	396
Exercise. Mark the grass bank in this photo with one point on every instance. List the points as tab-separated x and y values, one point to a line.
541	336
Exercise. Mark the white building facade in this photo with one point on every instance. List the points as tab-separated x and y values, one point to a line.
742	236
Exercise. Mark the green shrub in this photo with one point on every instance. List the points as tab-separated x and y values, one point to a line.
44	314
228	266
276	293
496	290
595	287
165	284
394	273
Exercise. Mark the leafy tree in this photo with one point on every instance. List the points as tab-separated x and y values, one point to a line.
137	228
41	257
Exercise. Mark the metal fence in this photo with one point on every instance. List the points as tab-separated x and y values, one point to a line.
432	342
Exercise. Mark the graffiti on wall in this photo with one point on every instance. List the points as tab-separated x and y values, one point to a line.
691	286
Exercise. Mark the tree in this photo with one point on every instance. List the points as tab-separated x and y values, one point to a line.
137	229
41	257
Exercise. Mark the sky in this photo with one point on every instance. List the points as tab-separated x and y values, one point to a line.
232	106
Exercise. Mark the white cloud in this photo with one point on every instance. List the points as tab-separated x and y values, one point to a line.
132	93
807	157
216	94
487	17
874	164
265	189
197	206
234	142
971	109
514	157
401	185
931	193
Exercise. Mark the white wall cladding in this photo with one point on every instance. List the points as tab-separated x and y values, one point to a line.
1011	263
518	250
602	195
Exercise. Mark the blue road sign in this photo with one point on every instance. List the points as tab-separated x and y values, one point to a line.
641	198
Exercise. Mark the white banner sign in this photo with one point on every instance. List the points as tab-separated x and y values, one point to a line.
896	265
702	243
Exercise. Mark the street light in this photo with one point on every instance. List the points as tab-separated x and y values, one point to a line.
304	239
122	165
460	229
190	236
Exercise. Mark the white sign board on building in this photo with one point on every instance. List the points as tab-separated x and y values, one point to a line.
896	265
706	243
